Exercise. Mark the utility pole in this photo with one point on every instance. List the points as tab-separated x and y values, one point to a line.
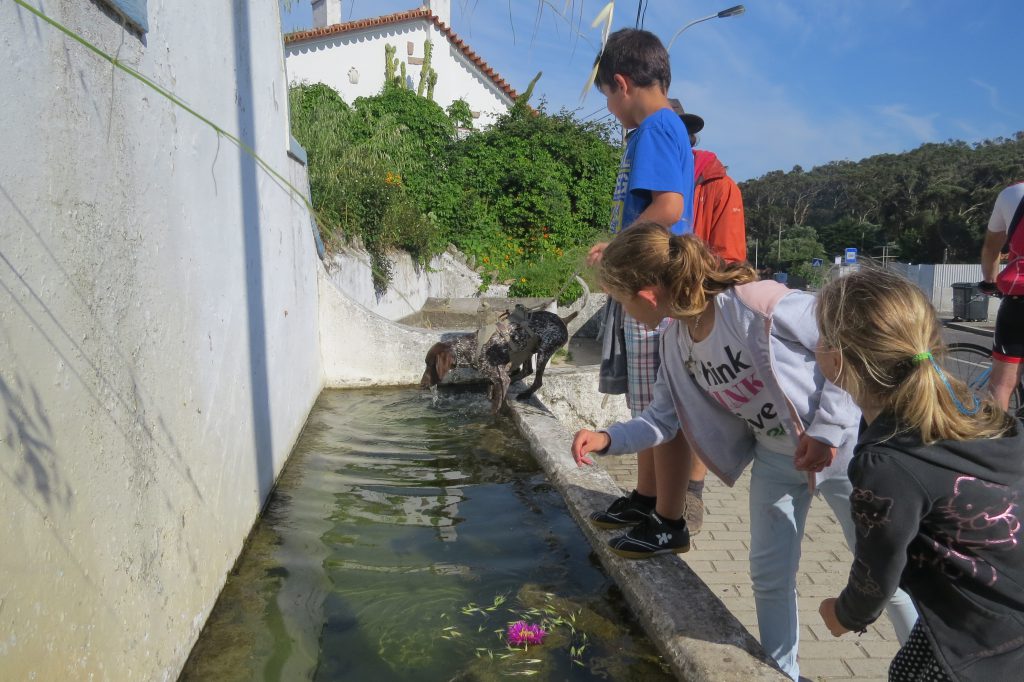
885	254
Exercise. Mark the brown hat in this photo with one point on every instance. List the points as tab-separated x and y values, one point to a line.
694	123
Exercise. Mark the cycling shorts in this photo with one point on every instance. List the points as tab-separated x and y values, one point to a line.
1008	344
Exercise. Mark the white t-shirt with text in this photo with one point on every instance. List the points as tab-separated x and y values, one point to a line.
725	372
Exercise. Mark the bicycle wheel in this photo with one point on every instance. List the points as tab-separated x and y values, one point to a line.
972	364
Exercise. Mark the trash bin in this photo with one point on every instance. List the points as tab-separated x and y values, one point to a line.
969	303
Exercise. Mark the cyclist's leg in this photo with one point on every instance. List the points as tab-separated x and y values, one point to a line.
1007	350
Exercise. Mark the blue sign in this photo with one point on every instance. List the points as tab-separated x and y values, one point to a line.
815	262
851	256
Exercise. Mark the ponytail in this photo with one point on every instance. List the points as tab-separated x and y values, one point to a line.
889	339
684	266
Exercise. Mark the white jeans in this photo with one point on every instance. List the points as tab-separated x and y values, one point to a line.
779	500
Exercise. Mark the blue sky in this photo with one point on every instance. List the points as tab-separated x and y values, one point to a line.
790	82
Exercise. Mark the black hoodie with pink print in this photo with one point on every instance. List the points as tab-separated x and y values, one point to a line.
943	522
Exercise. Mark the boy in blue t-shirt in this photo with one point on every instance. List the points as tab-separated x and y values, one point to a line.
654	184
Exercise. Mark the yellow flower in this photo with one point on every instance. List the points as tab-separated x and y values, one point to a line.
486	259
523	280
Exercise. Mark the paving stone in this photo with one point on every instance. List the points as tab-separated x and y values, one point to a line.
880	649
738	535
719	556
836	649
825	669
870	667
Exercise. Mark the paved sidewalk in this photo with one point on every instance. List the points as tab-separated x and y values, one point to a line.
719	556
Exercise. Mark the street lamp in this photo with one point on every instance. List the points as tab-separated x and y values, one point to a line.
731	12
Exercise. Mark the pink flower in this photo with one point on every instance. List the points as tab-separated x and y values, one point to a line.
521	633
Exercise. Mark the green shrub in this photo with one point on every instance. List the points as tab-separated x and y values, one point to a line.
532	186
358	182
516	197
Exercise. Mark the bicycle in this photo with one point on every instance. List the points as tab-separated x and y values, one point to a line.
972	364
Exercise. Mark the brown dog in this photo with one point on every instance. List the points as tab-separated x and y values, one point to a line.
505	357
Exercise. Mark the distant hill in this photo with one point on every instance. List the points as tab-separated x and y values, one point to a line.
932	202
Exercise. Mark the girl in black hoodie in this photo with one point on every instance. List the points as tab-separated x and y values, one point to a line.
938	482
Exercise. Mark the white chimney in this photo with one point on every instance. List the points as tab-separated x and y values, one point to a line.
326	13
442	9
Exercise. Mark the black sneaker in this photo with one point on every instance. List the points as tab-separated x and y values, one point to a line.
651	537
625	511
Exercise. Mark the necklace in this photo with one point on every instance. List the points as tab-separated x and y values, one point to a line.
690	363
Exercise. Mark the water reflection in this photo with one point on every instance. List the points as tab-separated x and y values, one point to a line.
396	510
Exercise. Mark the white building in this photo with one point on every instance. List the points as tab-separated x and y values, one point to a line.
350	58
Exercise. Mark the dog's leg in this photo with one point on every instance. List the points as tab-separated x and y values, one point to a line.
524	371
538	379
499	386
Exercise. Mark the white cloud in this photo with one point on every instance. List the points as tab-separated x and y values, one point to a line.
921	127
993	96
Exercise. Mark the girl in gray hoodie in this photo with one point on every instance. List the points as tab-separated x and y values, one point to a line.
738	375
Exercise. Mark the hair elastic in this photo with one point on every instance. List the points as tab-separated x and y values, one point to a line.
921	357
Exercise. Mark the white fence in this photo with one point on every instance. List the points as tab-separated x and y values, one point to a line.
936	281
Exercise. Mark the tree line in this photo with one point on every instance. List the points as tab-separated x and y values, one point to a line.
927	205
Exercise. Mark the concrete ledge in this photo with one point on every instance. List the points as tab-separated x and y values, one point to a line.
973	328
689	624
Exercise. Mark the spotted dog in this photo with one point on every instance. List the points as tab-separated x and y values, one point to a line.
506	356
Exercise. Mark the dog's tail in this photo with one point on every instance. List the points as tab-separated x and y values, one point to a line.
586	297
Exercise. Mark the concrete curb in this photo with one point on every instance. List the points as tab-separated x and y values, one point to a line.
973	329
695	632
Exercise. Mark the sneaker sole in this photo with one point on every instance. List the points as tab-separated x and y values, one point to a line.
612	524
646	555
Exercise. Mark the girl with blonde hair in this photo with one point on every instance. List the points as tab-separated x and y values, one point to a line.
938	476
738	374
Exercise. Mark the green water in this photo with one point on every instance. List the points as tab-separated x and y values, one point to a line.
404	532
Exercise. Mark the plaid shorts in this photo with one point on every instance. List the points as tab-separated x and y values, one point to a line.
642	362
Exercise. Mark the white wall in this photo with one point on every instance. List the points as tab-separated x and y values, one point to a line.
329	59
411	285
158	329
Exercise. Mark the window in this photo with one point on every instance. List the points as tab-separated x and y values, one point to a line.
134	12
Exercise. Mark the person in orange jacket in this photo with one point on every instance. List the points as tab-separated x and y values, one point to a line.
717	201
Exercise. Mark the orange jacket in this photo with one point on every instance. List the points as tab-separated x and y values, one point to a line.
718	208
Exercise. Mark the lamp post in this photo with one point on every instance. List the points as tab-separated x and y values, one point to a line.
730	12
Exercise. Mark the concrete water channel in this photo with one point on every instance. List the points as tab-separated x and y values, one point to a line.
406	533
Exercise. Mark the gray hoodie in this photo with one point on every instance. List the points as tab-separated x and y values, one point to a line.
781	335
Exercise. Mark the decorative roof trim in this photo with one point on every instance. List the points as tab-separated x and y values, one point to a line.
400	18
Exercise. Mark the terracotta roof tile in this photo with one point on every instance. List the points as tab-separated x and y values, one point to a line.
402	17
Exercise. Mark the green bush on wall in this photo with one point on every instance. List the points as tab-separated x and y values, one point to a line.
521	198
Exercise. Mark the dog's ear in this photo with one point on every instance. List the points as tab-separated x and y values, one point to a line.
443	361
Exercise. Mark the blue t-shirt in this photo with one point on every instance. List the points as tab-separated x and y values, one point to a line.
658	158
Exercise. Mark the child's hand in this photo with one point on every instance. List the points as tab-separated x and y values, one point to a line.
828	614
596	251
812	455
588	441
